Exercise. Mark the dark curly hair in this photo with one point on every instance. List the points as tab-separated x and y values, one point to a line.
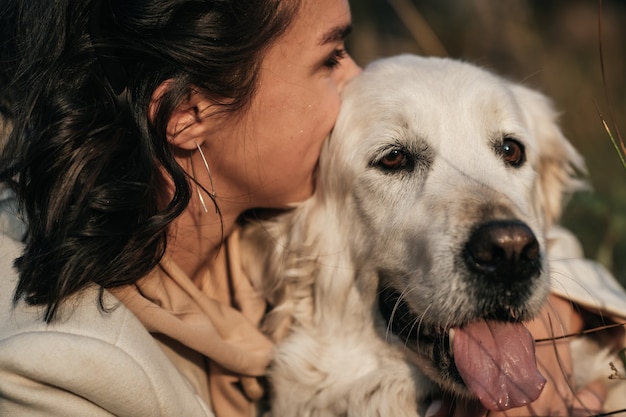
86	161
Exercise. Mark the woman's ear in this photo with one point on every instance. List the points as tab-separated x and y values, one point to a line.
187	127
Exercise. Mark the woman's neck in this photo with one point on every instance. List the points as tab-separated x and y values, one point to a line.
196	237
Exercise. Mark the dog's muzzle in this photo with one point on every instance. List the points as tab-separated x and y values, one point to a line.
490	354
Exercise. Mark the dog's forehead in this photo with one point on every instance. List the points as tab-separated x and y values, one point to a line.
433	98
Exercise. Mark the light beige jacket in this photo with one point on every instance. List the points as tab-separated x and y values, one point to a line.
94	364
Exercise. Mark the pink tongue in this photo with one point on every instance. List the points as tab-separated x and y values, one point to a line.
497	363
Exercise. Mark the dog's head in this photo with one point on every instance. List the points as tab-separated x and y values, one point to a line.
448	177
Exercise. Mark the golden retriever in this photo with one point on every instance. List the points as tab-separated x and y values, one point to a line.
422	249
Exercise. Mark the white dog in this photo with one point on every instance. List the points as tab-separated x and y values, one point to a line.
422	249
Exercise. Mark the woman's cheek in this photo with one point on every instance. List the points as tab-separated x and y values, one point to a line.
331	108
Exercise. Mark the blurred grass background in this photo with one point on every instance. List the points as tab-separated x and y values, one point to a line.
551	46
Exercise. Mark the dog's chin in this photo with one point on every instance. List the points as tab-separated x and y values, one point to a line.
431	344
435	350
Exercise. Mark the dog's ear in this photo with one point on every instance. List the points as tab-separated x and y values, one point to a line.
561	169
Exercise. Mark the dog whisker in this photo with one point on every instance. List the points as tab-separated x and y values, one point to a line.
419	320
394	310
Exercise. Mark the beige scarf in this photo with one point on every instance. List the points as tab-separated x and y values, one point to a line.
218	320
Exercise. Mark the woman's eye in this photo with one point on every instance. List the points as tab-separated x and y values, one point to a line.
335	58
512	152
394	159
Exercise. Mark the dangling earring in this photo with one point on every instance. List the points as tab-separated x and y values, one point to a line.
212	193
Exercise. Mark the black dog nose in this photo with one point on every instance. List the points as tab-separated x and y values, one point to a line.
503	250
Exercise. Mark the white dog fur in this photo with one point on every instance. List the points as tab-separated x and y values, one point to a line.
424	152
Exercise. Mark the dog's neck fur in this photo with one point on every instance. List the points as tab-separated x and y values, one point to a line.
298	284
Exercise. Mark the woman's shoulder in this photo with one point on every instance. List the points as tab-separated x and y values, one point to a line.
86	362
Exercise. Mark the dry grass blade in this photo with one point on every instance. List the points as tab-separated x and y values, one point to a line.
610	413
619	145
421	31
616	373
584	332
622	357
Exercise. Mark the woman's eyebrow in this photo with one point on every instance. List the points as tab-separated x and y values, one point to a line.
338	33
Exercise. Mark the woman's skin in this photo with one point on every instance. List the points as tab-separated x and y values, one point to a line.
557	319
266	157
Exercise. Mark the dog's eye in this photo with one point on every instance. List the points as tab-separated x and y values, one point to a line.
394	159
513	152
